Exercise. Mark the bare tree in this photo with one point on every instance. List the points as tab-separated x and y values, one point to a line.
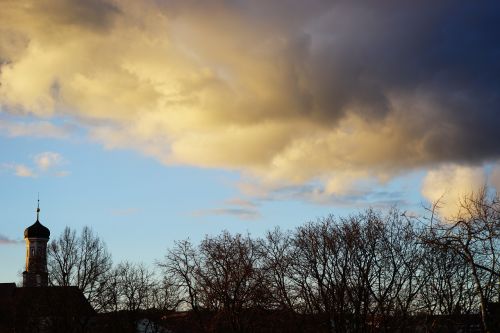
62	261
78	260
360	269
449	289
230	278
135	283
370	272
109	292
165	296
179	267
277	260
320	268
474	235
396	275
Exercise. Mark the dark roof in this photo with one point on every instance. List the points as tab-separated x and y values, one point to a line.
36	230
7	289
51	301
27	309
6	306
6	292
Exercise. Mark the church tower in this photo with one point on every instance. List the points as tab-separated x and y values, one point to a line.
36	237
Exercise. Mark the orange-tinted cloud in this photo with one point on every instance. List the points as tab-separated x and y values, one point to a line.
333	91
448	185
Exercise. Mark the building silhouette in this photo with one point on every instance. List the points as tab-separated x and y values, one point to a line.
36	237
36	306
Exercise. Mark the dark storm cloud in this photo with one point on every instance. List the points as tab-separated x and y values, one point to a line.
448	51
93	14
351	57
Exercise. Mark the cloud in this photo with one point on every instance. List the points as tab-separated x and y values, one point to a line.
495	177
43	163
357	194
39	129
240	213
4	240
237	207
20	170
47	160
23	171
333	92
240	202
449	184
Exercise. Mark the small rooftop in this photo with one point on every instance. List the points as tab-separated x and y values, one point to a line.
37	230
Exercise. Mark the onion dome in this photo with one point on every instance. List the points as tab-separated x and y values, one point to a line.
37	230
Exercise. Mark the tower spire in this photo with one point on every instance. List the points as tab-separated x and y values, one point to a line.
36	237
38	208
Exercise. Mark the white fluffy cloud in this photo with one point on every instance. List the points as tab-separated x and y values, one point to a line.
449	184
47	160
45	163
19	170
22	170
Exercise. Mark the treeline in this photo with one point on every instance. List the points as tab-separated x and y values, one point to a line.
370	272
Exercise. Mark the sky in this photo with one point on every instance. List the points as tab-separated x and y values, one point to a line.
155	121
